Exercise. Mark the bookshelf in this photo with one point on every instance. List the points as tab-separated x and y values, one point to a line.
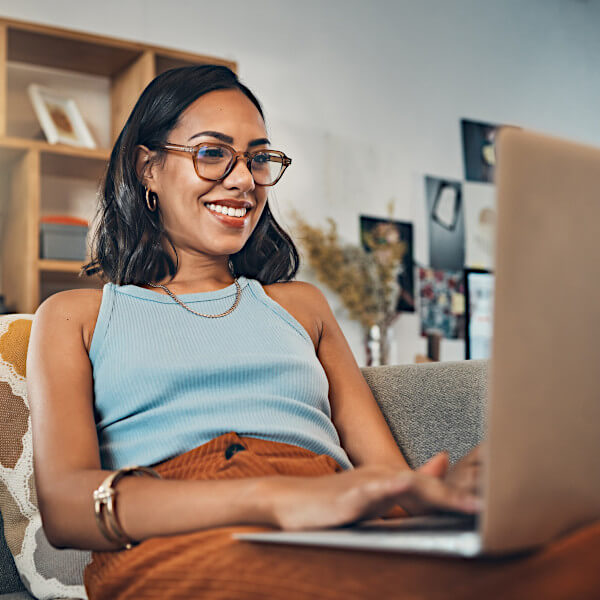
105	76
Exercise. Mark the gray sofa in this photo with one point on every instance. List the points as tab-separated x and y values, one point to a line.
429	407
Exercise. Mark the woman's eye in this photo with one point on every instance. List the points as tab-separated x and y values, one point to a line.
211	154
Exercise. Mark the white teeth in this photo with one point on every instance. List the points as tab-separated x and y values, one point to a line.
229	211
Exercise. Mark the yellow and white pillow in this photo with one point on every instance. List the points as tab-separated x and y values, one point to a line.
45	571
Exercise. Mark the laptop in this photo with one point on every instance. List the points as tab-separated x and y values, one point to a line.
541	465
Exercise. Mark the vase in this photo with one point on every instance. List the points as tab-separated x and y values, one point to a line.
377	344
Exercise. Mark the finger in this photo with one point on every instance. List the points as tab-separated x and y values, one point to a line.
436	466
468	479
439	495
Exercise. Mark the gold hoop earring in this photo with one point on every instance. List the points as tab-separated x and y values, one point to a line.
151	200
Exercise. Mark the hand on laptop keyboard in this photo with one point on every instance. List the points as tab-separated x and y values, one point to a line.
465	475
365	492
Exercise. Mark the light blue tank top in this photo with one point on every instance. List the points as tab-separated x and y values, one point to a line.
167	381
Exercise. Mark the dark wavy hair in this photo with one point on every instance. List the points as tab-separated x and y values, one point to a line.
128	241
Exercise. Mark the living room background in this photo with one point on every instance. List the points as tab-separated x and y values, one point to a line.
392	79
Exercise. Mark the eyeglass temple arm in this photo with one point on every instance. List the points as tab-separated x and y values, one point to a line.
178	148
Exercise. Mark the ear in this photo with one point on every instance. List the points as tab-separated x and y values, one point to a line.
144	165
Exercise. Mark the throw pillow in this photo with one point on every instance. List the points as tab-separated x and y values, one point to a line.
47	572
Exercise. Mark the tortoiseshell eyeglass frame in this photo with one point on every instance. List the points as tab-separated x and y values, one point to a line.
286	161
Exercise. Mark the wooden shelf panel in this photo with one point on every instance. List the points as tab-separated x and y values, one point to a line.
58	159
60	149
9	154
86	53
171	59
60	266
62	49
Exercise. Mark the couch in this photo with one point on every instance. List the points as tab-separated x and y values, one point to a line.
429	407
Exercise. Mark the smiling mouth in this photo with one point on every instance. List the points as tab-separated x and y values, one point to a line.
228	211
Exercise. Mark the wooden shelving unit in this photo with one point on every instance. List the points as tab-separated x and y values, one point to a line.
106	76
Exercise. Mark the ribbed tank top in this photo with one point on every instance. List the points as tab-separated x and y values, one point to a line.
166	380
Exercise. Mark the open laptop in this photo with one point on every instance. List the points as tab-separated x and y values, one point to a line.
542	455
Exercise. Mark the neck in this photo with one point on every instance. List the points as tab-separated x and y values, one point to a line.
199	274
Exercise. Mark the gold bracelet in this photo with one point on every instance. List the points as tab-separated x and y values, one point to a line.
104	505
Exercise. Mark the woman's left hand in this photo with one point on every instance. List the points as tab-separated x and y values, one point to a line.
465	474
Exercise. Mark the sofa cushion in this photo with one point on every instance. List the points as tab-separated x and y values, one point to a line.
46	571
432	406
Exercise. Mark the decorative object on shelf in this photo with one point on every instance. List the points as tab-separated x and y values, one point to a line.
442	303
63	237
445	223
380	232
365	280
59	117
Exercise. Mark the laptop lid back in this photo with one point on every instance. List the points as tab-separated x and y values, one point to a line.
542	475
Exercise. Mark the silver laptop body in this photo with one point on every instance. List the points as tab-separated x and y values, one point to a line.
542	456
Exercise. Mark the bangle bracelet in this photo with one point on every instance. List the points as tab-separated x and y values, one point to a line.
104	505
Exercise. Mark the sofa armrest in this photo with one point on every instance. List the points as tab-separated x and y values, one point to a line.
432	406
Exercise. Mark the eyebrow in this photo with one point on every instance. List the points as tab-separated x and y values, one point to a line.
227	139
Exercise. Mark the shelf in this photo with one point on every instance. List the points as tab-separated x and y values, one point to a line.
62	49
105	77
165	59
94	54
58	159
60	266
57	149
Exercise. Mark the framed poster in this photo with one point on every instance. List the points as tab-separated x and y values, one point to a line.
395	231
445	223
442	303
59	117
479	289
479	150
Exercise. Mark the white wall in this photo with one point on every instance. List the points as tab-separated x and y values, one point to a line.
395	77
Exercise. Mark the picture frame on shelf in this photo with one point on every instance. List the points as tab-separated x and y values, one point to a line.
59	117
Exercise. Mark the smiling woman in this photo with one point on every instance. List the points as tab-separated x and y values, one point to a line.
135	246
229	387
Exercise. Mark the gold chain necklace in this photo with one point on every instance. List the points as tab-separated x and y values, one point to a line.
238	295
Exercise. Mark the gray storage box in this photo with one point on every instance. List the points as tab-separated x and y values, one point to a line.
63	242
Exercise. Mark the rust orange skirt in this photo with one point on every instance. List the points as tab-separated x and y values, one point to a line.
211	565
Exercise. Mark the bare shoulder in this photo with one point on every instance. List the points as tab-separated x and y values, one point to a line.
306	292
76	310
305	302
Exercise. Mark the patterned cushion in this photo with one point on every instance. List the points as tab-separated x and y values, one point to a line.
45	571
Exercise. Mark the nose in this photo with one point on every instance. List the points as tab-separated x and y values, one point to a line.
240	176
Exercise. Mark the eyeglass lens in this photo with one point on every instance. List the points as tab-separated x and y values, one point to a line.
213	162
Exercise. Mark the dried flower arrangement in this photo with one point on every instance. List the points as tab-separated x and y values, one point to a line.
365	280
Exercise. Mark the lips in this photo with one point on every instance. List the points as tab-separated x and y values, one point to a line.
230	212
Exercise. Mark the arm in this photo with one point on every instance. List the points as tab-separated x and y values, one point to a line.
356	415
67	458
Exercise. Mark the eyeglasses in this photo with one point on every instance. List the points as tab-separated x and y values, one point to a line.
214	161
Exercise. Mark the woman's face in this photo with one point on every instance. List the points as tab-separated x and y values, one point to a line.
226	116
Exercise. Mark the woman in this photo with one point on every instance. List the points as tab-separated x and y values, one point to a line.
201	358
